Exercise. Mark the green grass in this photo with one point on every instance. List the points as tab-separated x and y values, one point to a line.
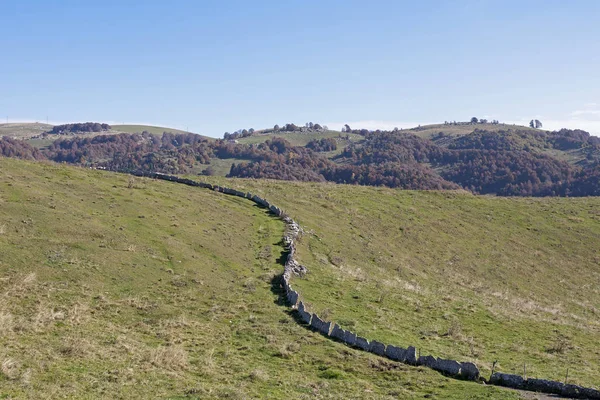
473	278
23	130
29	130
157	130
431	131
115	287
222	166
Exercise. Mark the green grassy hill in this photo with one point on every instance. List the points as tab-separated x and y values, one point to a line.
23	130
424	131
474	278
431	131
27	130
30	131
115	287
158	130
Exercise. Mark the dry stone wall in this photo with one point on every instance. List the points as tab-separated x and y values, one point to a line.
452	368
544	386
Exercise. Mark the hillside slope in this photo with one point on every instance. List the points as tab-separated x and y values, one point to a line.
115	287
157	130
513	280
461	129
29	130
519	162
23	130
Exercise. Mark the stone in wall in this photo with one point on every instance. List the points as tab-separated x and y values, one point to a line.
545	386
293	267
326	328
448	367
508	380
469	371
337	332
572	391
287	275
316	322
395	353
362	343
377	348
320	325
275	210
350	338
590	393
304	315
410	355
292	297
427	361
262	201
249	196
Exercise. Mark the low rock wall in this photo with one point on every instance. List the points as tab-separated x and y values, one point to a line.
544	386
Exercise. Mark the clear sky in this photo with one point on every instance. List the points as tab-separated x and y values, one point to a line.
217	66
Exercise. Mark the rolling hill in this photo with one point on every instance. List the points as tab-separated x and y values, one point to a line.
432	131
515	162
157	130
24	130
31	130
114	286
120	287
477	278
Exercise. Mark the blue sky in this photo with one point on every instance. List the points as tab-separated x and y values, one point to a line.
216	66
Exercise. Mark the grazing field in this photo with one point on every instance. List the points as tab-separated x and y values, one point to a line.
431	131
28	130
117	287
23	130
157	130
474	278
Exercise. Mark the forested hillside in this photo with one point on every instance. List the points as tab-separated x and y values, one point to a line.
513	162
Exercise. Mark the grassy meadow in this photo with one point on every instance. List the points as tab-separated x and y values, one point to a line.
431	131
157	130
117	287
23	130
474	278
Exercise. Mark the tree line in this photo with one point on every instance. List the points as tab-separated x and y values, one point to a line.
508	163
84	127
